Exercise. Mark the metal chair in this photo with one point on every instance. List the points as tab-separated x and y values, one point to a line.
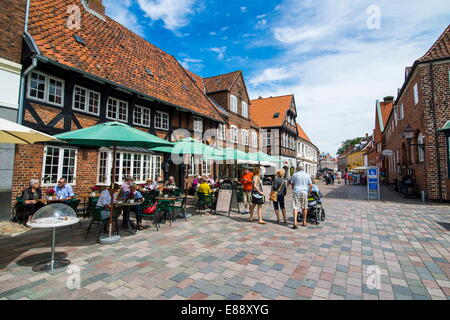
204	200
96	218
165	210
181	205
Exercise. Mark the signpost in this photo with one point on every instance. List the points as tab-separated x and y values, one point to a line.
373	183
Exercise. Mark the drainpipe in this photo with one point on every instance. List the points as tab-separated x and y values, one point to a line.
26	72
436	133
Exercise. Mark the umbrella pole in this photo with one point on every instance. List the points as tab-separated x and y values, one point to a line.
111	191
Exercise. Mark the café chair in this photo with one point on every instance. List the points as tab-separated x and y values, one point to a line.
205	201
96	218
165	210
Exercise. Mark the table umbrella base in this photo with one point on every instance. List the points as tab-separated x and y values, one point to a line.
51	265
109	240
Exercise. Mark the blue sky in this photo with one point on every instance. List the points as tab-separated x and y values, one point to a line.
337	57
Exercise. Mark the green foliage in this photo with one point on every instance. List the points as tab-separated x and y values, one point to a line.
348	143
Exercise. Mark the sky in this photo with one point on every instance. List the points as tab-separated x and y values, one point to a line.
336	56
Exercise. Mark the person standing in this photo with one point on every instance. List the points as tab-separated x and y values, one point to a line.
302	186
280	187
257	197
332	178
339	177
346	177
247	181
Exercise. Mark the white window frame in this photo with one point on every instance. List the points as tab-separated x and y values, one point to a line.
244	109
46	88
234	134
233	104
401	115
254	140
198	124
152	162
118	106
416	94
140	111
86	100
266	140
160	115
221	132
193	167
60	166
206	166
244	135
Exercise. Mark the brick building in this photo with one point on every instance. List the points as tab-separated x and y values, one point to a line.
102	72
12	21
422	110
383	111
307	153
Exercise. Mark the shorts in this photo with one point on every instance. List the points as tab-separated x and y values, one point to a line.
279	204
247	198
300	201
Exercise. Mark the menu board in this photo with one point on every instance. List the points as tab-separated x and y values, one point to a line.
224	200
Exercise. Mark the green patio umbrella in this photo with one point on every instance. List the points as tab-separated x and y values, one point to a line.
190	146
112	134
263	157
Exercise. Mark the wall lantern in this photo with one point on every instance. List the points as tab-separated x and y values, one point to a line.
409	134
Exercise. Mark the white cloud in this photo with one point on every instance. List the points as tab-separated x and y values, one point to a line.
336	67
120	11
220	52
212	33
191	64
225	28
243	9
173	13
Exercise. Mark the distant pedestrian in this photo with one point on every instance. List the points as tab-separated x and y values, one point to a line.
257	197
346	177
280	187
302	186
339	177
332	177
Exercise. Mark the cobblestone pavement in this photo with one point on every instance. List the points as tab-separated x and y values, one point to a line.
215	257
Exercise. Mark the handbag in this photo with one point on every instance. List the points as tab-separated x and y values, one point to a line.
150	210
274	194
257	196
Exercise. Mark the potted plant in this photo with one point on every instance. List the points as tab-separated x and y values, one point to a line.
50	193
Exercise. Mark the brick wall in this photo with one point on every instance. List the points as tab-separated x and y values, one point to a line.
12	19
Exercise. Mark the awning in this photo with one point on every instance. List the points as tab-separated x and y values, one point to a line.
446	128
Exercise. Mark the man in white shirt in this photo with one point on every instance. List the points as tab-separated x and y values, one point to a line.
302	186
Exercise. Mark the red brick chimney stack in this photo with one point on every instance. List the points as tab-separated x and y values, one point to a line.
97	6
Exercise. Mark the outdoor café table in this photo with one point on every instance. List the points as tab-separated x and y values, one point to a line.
53	264
124	204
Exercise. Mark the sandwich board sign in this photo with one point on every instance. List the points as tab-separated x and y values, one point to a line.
373	183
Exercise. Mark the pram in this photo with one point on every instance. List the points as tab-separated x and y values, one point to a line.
316	212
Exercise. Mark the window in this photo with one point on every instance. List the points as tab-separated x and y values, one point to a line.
86	100
141	116
46	88
192	167
117	110
139	165
198	124
245	137
254	140
206	166
416	94
401	115
266	140
233	103
162	120
59	163
234	134
420	151
221	132
244	109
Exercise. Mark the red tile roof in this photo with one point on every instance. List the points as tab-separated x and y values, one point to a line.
386	110
302	134
114	53
221	82
440	49
262	110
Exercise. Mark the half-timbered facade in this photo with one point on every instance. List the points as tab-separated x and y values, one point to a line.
276	117
97	73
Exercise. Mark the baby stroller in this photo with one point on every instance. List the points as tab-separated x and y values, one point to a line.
316	212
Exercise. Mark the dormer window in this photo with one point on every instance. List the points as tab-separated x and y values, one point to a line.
233	103
276	115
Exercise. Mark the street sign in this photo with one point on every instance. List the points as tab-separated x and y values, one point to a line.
388	153
373	183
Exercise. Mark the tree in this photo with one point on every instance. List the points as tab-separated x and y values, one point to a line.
348	143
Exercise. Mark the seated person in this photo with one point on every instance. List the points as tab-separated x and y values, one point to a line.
211	181
196	182
135	195
204	187
30	197
64	191
170	183
104	201
126	184
150	185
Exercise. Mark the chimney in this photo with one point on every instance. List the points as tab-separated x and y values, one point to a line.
389	99
260	98
97	6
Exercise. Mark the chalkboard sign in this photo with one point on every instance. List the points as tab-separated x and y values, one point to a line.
224	201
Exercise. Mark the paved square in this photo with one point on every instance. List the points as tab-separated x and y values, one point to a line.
215	257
